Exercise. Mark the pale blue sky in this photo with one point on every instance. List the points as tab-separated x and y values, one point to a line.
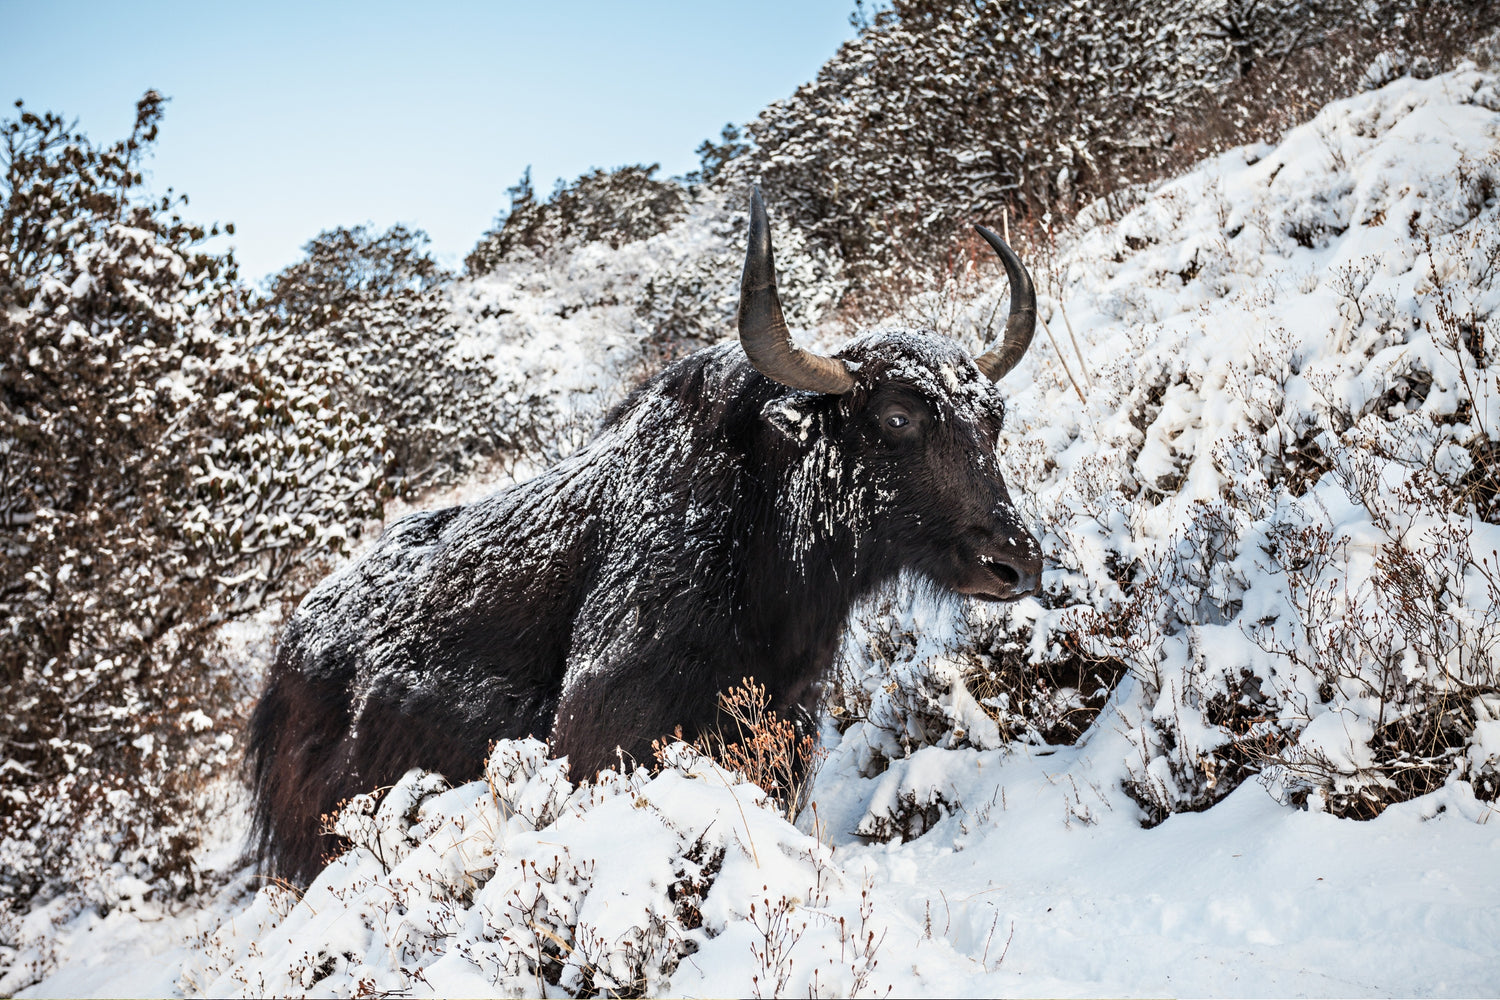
287	118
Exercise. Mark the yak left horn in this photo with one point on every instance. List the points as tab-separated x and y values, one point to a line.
1022	322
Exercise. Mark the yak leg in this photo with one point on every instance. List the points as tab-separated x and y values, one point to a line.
294	736
622	707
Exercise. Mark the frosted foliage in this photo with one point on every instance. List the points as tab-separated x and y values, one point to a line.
614	207
155	480
511	886
941	114
368	320
1276	511
1253	32
575	320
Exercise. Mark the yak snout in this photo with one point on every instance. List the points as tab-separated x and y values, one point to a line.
1007	564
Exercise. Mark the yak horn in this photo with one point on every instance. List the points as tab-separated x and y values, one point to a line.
763	333
1022	322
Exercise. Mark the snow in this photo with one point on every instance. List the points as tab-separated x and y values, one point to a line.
1233	315
1019	897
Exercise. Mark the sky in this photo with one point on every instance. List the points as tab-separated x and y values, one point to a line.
290	118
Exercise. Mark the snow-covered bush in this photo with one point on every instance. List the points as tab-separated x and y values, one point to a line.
513	885
979	678
368	319
156	479
938	115
779	755
1276	510
565	332
609	206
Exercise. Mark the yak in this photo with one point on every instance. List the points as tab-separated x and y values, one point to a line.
720	525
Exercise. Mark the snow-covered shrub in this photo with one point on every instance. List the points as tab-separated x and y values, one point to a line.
689	300
156	479
1253	33
610	206
1292	514
565	333
1389	65
1269	530
938	115
368	319
920	672
1038	693
1412	636
988	679
513	885
1285	60
779	756
290	482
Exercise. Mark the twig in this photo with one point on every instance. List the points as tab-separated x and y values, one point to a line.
1083	367
754	855
1066	370
1006	950
984	959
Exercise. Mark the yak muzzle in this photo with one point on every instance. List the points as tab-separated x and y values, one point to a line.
1005	566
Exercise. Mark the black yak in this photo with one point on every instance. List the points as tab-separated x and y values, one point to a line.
720	525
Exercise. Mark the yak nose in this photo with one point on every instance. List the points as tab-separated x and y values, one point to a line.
1014	557
1021	570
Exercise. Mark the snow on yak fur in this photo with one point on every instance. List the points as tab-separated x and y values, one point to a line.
719	526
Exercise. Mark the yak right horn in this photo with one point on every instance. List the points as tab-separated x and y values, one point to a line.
763	331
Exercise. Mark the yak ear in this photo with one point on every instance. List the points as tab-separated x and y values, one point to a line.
795	414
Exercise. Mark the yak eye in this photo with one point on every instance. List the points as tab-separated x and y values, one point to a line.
898	420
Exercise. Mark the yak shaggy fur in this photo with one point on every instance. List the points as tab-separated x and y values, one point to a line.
719	526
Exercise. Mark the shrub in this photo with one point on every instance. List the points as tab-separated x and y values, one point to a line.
367	318
779	755
613	206
156	479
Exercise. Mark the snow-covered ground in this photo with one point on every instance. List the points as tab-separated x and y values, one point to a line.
1265	371
1248	898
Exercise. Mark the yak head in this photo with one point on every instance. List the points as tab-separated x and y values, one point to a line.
904	426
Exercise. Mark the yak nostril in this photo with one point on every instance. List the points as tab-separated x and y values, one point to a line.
1011	556
1006	573
1021	578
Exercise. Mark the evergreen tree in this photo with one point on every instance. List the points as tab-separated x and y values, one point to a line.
713	156
614	206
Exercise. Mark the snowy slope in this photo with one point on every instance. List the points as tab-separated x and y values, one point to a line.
1273	415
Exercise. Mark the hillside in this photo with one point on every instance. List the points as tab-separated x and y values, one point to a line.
1247	742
